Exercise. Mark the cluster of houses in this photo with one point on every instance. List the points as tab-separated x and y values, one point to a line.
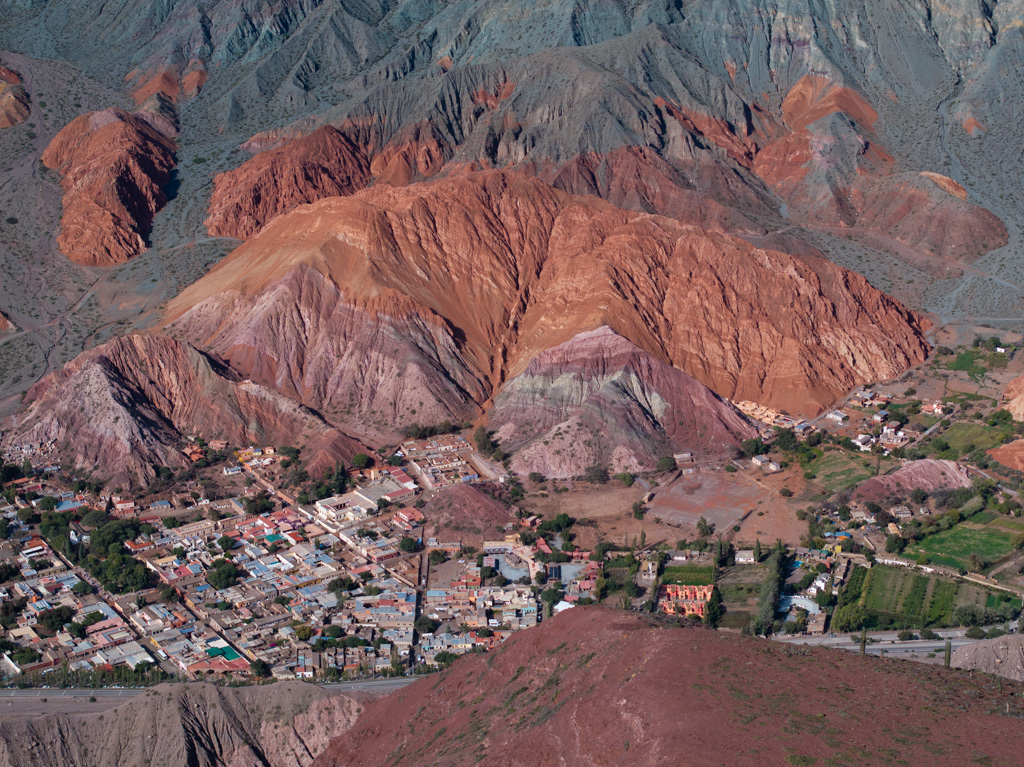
440	461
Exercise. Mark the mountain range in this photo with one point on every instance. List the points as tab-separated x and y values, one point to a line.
603	220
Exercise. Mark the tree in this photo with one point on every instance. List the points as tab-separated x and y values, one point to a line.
553	595
169	595
906	636
975	632
426	625
786	440
438	557
81	588
409	545
666	463
752	447
303	632
222	574
786	492
55	619
596	474
638	510
47	503
703	528
259	669
360	460
226	542
757	549
536	477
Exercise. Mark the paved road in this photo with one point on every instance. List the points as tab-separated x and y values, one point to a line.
885	640
385	685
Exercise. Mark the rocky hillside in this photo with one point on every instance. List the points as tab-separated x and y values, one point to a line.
13	100
124	408
598	399
461	282
114	166
768	169
200	725
928	474
592	687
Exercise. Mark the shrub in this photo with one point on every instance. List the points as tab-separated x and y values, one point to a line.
666	463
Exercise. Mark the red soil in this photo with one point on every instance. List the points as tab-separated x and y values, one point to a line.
601	688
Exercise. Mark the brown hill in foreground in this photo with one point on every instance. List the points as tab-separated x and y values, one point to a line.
114	167
597	688
122	408
430	297
200	725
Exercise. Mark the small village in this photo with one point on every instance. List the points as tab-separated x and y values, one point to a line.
234	571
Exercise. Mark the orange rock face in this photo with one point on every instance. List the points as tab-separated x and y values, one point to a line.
493	268
169	83
13	100
834	172
114	166
325	163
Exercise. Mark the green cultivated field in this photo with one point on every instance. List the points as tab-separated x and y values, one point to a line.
689	575
954	547
901	597
838	470
960	435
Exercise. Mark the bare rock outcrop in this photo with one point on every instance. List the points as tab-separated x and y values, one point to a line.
283	725
928	474
1013	398
326	163
1003	656
14	103
121	409
482	272
825	160
598	399
114	167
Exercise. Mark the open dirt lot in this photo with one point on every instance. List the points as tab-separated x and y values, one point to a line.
722	502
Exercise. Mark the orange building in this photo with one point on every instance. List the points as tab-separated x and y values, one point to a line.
684	600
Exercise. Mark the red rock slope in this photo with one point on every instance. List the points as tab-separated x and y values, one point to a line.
120	409
431	297
114	166
326	163
595	688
